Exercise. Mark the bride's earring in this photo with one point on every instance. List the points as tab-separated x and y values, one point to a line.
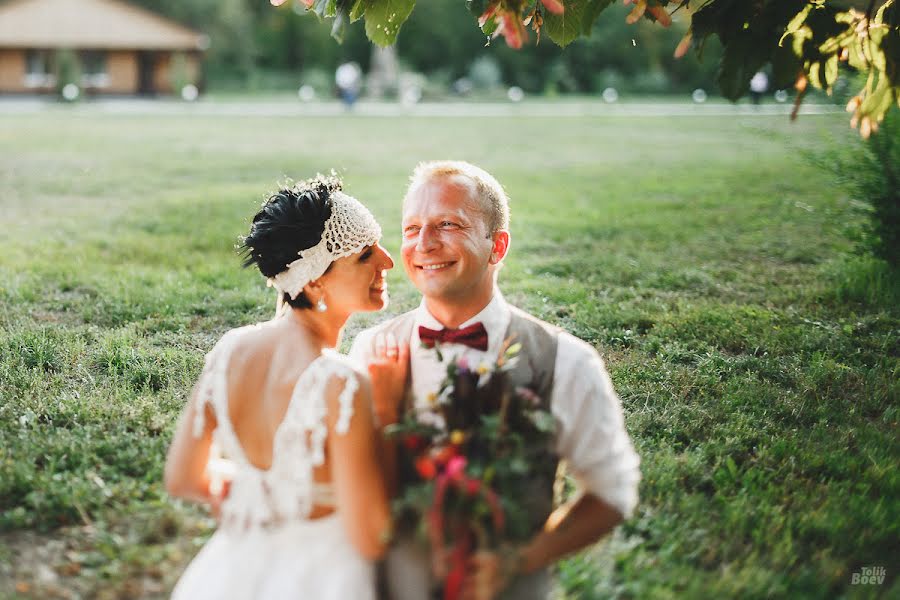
320	305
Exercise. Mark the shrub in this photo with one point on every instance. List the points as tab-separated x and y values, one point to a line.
870	172
878	184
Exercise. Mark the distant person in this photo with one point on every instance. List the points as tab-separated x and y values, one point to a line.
759	84
455	228
348	79
279	436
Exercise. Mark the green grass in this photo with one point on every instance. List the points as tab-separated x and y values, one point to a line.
756	357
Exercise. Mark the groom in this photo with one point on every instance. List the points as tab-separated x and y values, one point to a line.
455	236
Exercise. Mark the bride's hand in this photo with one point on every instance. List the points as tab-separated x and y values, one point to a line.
216	500
221	472
388	370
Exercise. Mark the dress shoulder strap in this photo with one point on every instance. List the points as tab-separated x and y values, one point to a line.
308	407
212	384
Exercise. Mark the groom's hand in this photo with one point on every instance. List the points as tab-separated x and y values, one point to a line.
489	573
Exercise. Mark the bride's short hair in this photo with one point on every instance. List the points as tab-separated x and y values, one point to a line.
482	184
290	220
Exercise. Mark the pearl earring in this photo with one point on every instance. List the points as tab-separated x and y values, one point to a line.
321	306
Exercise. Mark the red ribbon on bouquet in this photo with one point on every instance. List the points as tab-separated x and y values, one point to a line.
455	475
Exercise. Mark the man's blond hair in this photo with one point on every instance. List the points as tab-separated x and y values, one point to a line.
482	185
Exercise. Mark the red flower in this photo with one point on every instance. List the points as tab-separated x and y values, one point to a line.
413	442
426	468
456	468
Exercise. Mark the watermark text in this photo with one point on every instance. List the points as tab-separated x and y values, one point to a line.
868	576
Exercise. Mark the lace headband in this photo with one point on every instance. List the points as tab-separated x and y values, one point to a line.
349	229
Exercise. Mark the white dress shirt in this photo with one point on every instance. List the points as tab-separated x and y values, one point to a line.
591	434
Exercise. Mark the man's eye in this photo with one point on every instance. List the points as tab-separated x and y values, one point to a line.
411	230
448	225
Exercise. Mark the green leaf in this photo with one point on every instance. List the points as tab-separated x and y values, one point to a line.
565	28
339	26
384	18
514	349
543	421
359	9
741	59
785	66
831	70
325	8
320	8
815	75
857	58
518	465
879	100
798	19
800	37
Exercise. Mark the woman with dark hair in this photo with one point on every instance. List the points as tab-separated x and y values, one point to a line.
280	436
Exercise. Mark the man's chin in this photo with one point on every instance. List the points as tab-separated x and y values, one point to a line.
431	288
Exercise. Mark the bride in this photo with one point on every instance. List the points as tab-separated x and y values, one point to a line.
280	436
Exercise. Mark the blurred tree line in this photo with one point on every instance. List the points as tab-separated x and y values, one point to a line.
257	46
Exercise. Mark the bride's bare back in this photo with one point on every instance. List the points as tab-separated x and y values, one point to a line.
263	370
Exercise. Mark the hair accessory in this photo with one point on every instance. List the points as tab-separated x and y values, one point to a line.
321	306
349	229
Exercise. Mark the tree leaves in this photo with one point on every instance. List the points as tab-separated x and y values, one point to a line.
821	38
800	39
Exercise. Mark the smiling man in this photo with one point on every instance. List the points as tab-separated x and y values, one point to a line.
455	237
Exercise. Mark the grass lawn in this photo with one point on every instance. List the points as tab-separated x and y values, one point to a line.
704	257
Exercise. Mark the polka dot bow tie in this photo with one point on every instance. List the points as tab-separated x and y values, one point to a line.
473	336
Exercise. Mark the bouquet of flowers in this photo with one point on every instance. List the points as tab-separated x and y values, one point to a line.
468	463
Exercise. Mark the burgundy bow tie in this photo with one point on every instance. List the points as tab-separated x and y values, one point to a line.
473	336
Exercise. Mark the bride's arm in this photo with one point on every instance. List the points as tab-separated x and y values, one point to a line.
356	471
185	473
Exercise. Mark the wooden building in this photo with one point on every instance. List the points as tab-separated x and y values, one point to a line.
107	46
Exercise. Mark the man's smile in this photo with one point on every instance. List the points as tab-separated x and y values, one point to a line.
435	266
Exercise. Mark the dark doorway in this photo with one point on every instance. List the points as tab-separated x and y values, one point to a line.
146	68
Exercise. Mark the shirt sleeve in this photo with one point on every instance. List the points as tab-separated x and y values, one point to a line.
592	436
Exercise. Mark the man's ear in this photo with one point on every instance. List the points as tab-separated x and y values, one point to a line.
501	246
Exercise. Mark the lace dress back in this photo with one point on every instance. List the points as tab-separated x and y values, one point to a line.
265	518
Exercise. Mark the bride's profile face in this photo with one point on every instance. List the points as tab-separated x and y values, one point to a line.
357	282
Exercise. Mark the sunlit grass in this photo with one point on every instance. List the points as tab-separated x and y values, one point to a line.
702	257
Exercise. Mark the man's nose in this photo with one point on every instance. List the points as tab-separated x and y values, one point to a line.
428	239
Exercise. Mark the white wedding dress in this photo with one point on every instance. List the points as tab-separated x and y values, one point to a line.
266	547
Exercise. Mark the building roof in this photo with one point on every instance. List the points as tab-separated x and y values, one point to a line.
93	24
